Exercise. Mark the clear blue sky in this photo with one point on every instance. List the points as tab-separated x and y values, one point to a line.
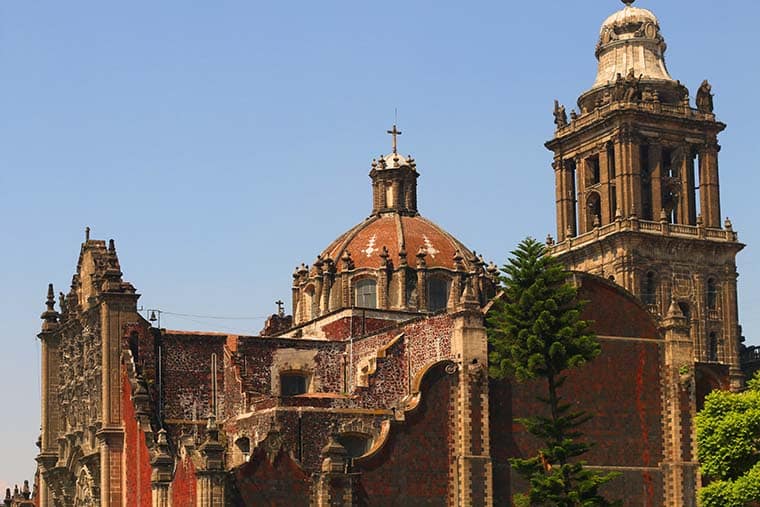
222	143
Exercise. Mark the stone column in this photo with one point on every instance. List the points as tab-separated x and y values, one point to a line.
679	466
333	485
473	477
687	211
731	328
607	215
564	197
580	195
630	174
709	187
210	475
655	163
162	465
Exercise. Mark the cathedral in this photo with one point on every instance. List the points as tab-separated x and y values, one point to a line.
373	390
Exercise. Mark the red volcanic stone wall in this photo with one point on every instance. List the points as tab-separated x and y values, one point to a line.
425	341
187	374
256	357
346	327
137	455
264	483
412	468
183	487
622	389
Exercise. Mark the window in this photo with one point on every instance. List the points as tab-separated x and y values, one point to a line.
292	384
712	294
438	294
712	348
366	293
356	444
611	161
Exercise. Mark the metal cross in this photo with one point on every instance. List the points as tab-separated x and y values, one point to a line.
395	132
280	307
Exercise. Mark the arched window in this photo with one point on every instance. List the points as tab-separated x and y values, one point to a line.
292	383
593	210
712	294
649	294
366	293
437	293
712	347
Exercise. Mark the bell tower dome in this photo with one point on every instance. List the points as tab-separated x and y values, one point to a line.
637	189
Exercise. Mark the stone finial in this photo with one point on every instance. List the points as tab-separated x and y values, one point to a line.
700	220
111	246
664	215
674	310
459	261
87	233
618	214
568	232
492	269
421	254
49	316
25	492
402	257
728	225
348	262
468	301
384	255
8	497
549	240
334	456
597	223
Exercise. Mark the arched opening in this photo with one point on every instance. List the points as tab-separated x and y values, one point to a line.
649	294
670	204
593	210
646	183
244	446
593	175
437	293
712	347
293	383
356	444
134	346
366	293
686	310
712	294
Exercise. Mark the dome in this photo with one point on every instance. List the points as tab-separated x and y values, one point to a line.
630	43
629	16
365	244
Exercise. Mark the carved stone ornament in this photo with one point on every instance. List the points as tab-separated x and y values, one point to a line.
85	496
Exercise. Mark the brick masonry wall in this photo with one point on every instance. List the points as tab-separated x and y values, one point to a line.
137	455
413	467
265	482
621	388
183	487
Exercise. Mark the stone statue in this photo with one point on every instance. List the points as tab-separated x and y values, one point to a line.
631	86
705	98
560	116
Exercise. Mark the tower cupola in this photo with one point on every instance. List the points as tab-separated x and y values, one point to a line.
394	182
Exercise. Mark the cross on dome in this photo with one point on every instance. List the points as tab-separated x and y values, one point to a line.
395	133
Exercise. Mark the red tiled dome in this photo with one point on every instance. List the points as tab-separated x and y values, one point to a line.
395	232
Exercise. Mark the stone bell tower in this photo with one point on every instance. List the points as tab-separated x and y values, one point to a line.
637	188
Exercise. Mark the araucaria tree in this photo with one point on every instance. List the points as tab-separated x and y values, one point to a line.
535	332
728	446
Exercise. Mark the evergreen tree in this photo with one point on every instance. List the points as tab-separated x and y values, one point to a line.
728	446
535	332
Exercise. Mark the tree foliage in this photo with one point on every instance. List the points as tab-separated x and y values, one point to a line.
728	436
535	332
